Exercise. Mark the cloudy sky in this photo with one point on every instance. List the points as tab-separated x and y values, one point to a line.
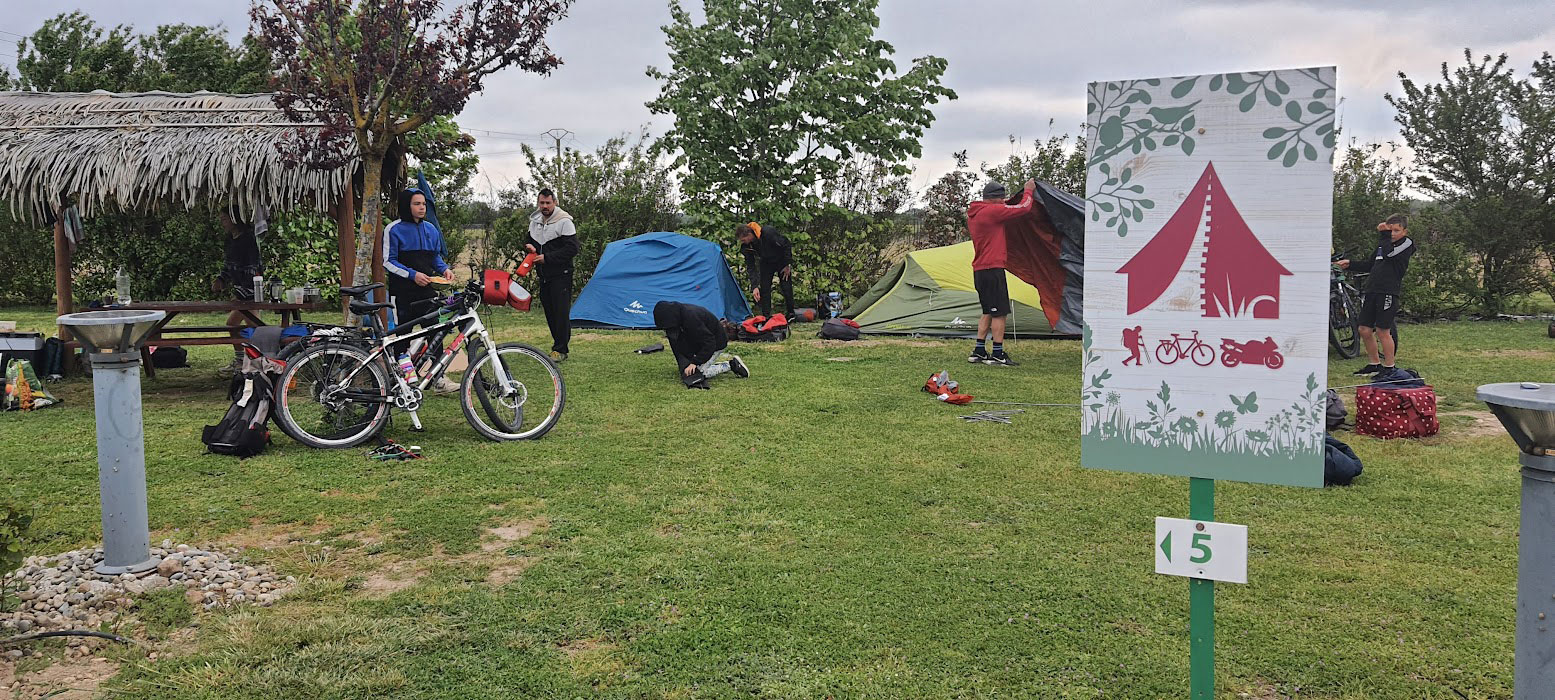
1017	66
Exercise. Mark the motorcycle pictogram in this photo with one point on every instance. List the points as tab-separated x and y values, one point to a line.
1254	352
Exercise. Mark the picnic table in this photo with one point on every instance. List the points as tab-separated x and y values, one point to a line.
166	334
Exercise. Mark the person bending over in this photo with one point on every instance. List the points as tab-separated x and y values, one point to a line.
697	340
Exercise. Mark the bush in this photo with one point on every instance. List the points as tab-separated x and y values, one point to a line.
26	263
14	522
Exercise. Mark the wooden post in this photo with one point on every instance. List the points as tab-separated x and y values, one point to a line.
63	301
345	230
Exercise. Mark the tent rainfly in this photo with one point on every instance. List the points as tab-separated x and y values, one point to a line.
148	151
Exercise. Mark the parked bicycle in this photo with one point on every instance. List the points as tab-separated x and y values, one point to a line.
1344	311
1198	351
340	394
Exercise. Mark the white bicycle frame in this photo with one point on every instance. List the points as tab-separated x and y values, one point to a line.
408	396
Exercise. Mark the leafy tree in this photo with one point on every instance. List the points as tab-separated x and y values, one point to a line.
188	58
945	202
1059	160
377	71
1368	187
622	189
1482	139
70	53
772	98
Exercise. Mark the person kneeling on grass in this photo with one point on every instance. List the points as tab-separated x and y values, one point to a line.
697	340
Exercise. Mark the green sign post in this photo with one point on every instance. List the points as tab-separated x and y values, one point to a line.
1201	603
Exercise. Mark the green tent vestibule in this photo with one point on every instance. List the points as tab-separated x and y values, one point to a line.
930	293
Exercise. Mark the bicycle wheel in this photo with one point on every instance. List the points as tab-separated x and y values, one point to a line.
530	404
1166	353
1343	318
1202	355
318	408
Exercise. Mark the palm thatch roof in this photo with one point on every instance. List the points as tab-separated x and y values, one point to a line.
147	151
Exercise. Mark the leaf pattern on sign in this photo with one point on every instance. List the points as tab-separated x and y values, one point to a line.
1168	426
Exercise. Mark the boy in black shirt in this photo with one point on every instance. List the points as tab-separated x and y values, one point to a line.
697	340
1379	306
767	253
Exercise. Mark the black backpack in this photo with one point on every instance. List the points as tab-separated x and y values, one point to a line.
169	357
1340	465
51	360
244	431
1337	414
835	329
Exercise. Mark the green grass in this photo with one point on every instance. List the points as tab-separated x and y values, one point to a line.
821	529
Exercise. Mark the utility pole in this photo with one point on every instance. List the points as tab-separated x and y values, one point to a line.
558	134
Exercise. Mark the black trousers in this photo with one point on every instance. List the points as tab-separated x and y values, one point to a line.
786	285
556	299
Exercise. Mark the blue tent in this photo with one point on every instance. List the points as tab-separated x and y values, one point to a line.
636	273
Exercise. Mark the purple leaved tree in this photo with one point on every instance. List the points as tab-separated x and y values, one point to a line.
375	70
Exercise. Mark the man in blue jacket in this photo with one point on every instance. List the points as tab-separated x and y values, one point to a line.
413	257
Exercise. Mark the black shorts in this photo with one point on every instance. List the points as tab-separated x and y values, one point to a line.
993	291
1378	310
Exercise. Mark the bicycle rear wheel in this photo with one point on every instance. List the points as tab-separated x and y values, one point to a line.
318	407
527	407
1343	319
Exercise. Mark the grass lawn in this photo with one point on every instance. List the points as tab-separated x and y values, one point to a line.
820	529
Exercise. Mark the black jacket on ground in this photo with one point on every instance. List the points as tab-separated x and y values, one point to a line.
695	334
1387	265
769	253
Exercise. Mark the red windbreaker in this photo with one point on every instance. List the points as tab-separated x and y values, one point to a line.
986	220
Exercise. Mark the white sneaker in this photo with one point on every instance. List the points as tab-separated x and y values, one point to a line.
737	366
444	386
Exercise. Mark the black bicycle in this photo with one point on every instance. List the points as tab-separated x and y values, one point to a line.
1344	311
338	391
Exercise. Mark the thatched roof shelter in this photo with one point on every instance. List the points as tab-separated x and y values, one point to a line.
155	150
152	150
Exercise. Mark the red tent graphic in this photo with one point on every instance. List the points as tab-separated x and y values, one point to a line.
1240	277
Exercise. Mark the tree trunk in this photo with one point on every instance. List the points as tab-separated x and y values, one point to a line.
372	212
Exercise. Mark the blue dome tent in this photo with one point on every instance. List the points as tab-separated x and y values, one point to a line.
636	273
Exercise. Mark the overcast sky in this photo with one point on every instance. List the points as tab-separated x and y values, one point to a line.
1016	65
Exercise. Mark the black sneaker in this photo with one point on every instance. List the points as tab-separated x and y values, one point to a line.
978	355
1368	369
737	366
1000	358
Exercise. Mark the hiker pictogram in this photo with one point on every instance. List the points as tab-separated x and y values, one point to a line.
1254	352
1240	277
1134	342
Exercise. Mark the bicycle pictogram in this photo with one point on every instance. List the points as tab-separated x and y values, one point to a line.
1179	347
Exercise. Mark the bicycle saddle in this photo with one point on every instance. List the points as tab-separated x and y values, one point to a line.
360	290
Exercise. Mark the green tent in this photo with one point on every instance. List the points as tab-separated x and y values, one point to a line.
931	293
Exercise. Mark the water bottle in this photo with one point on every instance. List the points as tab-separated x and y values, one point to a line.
121	282
259	288
407	368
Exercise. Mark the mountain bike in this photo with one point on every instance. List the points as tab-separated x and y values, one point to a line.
338	394
1344	311
1169	351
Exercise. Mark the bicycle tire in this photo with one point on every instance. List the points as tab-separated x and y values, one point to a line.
1170	352
1343	324
487	412
300	384
1193	354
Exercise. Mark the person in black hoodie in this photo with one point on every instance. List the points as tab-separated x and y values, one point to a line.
1379	306
697	340
767	253
553	236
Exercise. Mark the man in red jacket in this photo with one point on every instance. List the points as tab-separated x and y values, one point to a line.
985	219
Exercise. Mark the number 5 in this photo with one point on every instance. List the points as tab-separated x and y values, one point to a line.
1200	544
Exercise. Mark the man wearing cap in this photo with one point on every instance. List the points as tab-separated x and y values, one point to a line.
985	221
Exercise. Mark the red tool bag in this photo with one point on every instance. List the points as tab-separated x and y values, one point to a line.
1394	413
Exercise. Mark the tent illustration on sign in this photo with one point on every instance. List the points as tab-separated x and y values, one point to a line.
1239	276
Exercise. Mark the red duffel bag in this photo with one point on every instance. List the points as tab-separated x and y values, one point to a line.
1394	413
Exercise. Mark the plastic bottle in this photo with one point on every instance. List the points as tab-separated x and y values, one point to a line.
121	282
407	368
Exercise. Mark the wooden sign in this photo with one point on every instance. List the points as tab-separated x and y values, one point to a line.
1207	239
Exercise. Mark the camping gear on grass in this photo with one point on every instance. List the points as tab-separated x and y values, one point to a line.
646	349
839	329
945	389
636	273
1385	412
20	346
1340	465
1336	414
760	329
23	390
169	357
244	431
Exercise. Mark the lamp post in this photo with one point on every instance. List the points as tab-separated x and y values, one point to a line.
1527	411
112	341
